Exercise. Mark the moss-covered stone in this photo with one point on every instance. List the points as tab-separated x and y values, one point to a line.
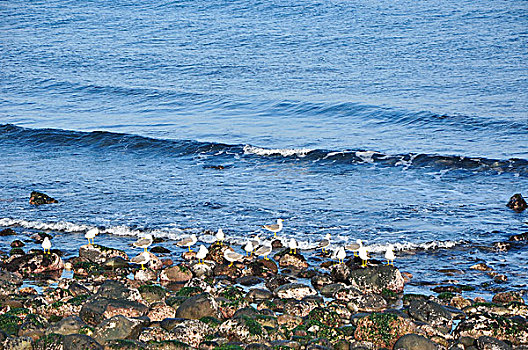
189	291
228	347
49	342
325	316
78	300
232	293
211	321
382	329
10	323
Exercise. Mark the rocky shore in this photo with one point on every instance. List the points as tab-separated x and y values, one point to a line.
286	302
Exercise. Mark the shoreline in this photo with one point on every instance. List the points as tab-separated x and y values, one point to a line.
289	301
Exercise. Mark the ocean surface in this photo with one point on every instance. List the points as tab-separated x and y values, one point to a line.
392	122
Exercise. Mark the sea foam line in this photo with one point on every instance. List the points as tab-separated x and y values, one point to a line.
285	152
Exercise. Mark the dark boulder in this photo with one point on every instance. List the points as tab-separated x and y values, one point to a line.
517	203
490	343
80	341
33	263
415	342
198	306
38	198
432	313
7	232
96	310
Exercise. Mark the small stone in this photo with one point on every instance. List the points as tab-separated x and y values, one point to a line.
490	343
249	280
507	297
294	290
517	203
415	342
38	198
159	250
117	327
481	267
8	232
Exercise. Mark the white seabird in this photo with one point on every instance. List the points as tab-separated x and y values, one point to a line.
46	245
188	241
354	247
275	228
142	259
324	243
264	250
363	254
389	255
232	256
292	244
90	235
249	247
220	236
202	253
144	242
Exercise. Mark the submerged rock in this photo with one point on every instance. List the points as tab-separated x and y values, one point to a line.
38	198
517	203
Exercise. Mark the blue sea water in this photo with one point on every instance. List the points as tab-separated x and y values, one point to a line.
401	122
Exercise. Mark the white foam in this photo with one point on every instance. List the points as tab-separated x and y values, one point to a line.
366	156
285	152
39	225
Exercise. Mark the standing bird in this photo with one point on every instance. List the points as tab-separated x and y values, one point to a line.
354	246
144	242
255	242
389	255
324	243
275	228
143	258
202	253
292	244
90	234
363	254
249	248
340	255
264	250
220	236
189	241
232	256
46	245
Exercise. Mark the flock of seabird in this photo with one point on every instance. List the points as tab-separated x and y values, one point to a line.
253	246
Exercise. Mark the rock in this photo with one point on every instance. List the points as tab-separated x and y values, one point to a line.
38	198
294	291
415	342
8	232
112	289
96	310
481	267
275	282
490	343
487	324
432	313
20	343
216	253
262	268
258	294
507	297
287	259
99	254
376	279
160	311
502	246
299	308
321	280
146	275
155	334
329	290
66	326
198	306
383	330
16	243
203	270
517	203
117	327
243	329
34	326
80	341
9	282
289	321
35	263
249	280
519	237
358	301
179	274
191	332
152	293
115	262
159	250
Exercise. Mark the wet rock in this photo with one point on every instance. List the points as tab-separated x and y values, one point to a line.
191	332
96	310
517	203
507	297
415	342
383	330
80	341
275	282
17	244
294	291
178	274
9	282
299	308
490	343
99	254
198	306
216	253
321	280
519	237
115	262
481	267
258	294
262	268
203	270
159	250
7	232
35	263
502	246
117	327
375	279
146	275
249	280
77	289
432	313
66	326
49	342
152	293
125	344
38	198
289	321
329	290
